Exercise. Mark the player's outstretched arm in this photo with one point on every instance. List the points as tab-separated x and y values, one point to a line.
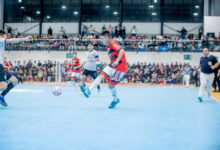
17	40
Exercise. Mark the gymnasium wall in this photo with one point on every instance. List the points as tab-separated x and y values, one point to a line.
190	27
132	57
212	24
24	26
69	27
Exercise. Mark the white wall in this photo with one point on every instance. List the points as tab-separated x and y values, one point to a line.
24	26
145	28
179	26
69	27
212	24
98	25
132	57
1	13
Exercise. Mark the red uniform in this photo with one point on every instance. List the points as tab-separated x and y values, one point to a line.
115	74
6	65
113	52
76	63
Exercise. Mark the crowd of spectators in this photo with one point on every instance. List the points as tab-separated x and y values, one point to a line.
140	72
132	41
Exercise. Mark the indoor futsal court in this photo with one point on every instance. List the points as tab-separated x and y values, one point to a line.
109	75
172	119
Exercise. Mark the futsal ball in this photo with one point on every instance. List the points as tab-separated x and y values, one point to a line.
57	91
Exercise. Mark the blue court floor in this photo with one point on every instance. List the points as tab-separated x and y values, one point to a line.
148	118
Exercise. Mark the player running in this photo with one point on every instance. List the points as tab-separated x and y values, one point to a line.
90	67
75	68
7	81
114	72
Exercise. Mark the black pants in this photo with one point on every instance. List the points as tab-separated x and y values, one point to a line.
216	82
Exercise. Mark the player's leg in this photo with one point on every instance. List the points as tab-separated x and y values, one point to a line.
210	79
114	96
87	90
3	86
187	80
93	74
12	82
84	75
83	80
203	83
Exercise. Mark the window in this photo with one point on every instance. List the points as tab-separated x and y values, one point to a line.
141	10
100	10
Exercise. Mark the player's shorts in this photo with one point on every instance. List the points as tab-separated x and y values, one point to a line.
4	75
75	75
93	74
113	76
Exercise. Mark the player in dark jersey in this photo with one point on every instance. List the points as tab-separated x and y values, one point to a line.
114	72
7	81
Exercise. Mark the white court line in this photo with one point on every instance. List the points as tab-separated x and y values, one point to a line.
26	91
215	99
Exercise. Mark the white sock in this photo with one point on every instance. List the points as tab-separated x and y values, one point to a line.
73	83
95	83
114	93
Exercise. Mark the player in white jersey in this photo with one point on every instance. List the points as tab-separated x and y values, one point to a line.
90	67
7	81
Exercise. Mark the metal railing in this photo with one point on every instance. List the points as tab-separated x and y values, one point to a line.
130	45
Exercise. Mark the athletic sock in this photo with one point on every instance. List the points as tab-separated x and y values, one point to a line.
73	83
9	88
114	93
95	83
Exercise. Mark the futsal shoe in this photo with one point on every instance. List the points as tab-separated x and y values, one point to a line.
98	87
85	91
200	99
2	101
113	104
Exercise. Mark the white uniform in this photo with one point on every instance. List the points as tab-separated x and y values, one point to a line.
2	49
187	71
91	65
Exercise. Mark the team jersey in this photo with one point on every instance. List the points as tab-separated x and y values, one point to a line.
91	65
113	52
67	68
6	66
2	49
76	63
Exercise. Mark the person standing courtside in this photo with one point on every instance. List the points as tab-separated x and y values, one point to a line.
216	82
187	71
208	63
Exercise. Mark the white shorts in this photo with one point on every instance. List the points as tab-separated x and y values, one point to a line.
113	76
75	75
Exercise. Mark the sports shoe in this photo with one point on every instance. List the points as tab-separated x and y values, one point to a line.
200	99
85	91
98	87
113	104
2	101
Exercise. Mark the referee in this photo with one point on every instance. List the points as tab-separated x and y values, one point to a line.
208	63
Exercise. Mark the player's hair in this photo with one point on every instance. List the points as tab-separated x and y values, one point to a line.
206	48
105	33
75	53
2	32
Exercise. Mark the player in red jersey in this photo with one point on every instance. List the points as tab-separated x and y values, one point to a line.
75	70
114	72
6	64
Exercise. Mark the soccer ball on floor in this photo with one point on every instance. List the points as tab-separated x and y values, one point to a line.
57	91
